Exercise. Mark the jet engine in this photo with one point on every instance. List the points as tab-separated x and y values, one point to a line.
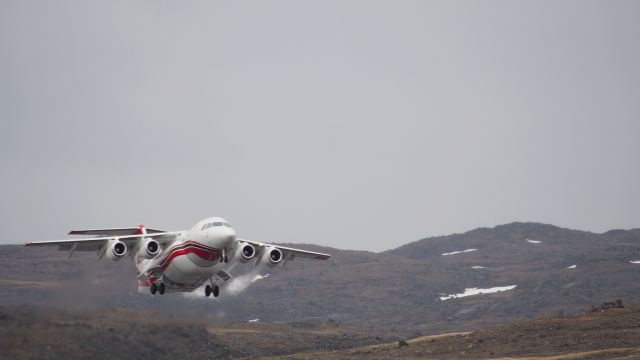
245	252
274	255
149	249
116	249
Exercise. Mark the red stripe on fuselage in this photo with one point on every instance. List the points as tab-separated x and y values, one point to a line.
191	242
187	243
167	253
209	255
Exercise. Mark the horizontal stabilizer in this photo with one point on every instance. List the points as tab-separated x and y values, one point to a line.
114	232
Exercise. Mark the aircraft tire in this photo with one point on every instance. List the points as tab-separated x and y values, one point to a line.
207	290
153	288
161	288
216	290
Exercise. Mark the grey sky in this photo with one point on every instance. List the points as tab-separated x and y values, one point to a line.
353	124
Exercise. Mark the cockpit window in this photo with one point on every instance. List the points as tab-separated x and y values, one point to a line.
217	223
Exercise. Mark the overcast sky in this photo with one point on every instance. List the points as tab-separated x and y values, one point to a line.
352	124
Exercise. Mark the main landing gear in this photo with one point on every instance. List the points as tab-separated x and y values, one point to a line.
215	290
159	288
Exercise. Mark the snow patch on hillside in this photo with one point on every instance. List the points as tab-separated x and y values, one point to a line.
635	261
571	267
534	241
476	291
478	267
459	252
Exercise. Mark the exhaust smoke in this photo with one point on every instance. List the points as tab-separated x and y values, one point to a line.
239	284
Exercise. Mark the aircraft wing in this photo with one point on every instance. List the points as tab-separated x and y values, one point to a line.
96	243
291	253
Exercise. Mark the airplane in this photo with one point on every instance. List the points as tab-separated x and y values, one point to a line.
181	261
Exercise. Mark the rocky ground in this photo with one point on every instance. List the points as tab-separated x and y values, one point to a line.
28	332
607	334
37	333
32	333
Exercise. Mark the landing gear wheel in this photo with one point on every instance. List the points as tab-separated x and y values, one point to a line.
153	289
216	290
161	288
207	290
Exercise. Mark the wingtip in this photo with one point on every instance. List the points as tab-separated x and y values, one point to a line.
27	244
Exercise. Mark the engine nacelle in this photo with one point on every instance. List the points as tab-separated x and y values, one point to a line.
149	249
274	255
245	252
115	249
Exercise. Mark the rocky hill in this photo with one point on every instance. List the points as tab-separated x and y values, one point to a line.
404	291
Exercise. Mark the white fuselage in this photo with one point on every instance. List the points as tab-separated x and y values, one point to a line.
192	259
